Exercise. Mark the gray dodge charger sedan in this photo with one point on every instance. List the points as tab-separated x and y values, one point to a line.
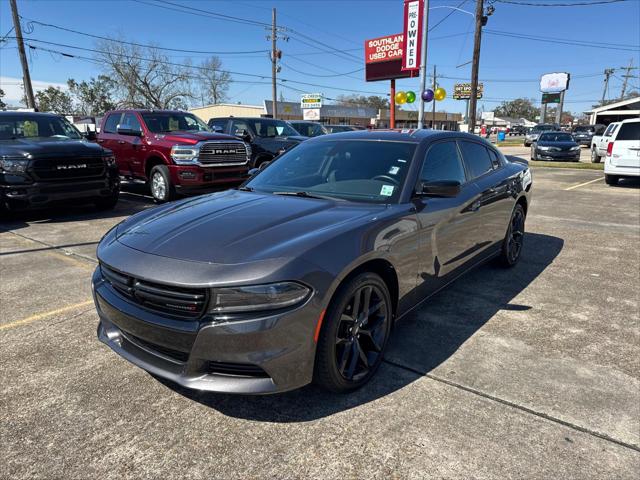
299	274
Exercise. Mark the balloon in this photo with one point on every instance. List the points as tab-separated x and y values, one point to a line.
427	95
401	98
411	97
440	94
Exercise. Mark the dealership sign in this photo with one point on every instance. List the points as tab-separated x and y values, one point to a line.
550	98
311	100
383	49
462	91
554	82
412	34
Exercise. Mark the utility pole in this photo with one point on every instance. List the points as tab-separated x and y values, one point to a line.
477	40
626	77
607	73
274	63
423	63
26	78
433	107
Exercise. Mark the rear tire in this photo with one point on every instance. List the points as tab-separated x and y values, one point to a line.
595	158
354	334
611	179
513	242
160	184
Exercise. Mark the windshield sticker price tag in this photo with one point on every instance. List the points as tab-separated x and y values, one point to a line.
386	190
394	170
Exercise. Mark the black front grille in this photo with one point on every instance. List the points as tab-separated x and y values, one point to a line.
236	369
178	301
167	352
212	153
67	168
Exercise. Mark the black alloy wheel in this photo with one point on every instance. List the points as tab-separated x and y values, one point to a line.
355	334
514	240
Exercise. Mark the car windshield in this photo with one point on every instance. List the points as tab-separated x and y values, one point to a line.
268	128
582	129
165	122
542	128
37	126
357	170
555	137
309	129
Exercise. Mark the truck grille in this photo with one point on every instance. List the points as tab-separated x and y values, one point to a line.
223	153
52	169
177	301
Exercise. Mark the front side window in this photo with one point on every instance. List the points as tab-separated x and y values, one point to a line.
218	124
443	163
610	129
268	128
238	126
476	158
111	125
130	121
356	170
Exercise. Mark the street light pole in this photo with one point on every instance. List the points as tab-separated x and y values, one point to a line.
476	64
423	63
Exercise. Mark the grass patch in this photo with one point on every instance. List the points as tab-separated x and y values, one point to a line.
510	143
577	165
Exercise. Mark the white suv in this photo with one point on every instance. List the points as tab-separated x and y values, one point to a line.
623	152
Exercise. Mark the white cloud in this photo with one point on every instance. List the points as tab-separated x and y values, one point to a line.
13	92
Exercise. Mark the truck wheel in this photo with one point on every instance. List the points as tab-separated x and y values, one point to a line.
611	179
161	188
595	158
107	203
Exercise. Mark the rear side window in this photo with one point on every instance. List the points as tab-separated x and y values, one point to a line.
476	157
111	125
629	131
443	163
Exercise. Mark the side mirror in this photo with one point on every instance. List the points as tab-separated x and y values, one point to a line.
244	135
122	130
90	135
442	188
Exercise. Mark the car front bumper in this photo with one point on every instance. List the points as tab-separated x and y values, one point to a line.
266	354
187	178
558	156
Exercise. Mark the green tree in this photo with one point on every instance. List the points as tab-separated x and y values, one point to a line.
373	101
518	108
2	104
53	99
94	97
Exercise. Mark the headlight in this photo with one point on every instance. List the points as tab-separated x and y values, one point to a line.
575	149
544	149
14	165
257	297
249	150
185	154
109	160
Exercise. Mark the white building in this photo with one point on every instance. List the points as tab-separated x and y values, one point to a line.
615	112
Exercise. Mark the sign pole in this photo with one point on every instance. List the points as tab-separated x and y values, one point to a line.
423	63
392	105
559	108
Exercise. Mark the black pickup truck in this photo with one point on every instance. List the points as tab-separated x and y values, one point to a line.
45	160
267	137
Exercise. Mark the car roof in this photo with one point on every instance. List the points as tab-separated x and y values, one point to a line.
630	120
23	114
398	135
146	110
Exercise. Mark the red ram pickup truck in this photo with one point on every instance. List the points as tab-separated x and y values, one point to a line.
173	151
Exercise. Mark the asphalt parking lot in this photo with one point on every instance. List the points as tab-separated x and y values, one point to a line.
527	373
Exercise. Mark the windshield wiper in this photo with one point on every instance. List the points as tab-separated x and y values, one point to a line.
304	194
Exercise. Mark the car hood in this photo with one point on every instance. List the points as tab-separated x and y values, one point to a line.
237	227
49	147
191	137
562	145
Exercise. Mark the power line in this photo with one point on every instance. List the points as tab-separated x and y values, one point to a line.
448	15
575	4
323	76
561	41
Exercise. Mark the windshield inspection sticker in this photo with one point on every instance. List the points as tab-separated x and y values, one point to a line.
394	170
386	190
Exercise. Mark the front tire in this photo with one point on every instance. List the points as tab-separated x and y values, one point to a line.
354	334
107	203
514	239
611	179
160	184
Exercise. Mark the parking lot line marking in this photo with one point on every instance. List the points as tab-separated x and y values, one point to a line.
546	416
40	316
585	183
62	253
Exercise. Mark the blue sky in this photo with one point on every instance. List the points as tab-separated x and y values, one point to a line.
509	66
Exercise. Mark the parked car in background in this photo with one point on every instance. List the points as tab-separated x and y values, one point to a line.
309	129
535	132
558	146
173	151
518	130
268	137
299	275
599	143
623	152
583	134
343	128
44	160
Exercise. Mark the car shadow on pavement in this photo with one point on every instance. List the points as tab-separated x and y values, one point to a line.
422	341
